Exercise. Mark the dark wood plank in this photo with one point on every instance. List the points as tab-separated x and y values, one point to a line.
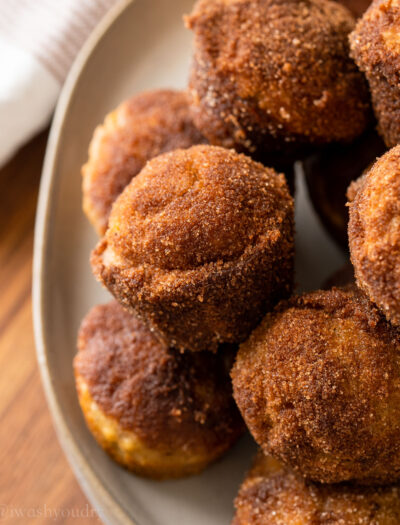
36	483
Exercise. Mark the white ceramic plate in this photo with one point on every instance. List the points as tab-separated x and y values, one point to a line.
140	45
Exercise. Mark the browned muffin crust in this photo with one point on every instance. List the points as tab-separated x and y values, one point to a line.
356	185
274	495
374	234
171	401
375	47
318	386
200	245
139	129
274	75
374	42
328	175
386	104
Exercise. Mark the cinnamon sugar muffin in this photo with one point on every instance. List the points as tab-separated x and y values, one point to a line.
139	129
274	495
376	49
318	385
200	245
374	234
275	76
156	411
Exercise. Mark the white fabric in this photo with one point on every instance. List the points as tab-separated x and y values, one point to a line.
39	40
28	93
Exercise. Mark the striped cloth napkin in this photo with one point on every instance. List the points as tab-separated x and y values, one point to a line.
39	40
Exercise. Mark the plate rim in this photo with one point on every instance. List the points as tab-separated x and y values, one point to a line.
108	509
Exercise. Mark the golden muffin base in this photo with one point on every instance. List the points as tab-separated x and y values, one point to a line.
201	309
274	495
127	449
318	385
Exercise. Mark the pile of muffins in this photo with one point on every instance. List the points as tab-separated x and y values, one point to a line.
191	194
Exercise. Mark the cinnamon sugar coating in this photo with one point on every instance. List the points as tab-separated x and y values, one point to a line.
274	495
374	42
158	412
139	129
200	245
353	188
274	75
318	385
386	104
375	46
374	234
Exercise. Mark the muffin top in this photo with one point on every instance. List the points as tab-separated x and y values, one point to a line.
193	207
281	67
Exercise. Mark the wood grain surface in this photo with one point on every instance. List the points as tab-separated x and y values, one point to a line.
36	483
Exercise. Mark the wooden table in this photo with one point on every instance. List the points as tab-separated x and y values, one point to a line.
36	483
